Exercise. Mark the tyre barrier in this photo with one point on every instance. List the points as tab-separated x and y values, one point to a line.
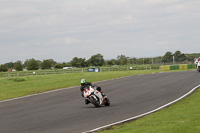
177	67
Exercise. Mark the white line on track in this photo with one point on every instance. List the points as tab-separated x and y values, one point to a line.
38	94
138	116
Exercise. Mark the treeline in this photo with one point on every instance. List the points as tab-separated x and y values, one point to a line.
98	60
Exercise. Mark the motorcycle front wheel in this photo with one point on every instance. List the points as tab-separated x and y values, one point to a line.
107	102
94	102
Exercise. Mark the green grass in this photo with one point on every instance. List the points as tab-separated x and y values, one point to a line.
181	117
27	85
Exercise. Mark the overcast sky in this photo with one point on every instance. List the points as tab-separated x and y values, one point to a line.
63	29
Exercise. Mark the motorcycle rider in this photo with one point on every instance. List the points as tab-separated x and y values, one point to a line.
198	59
84	84
196	62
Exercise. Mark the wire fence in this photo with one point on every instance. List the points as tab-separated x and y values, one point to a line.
101	69
75	70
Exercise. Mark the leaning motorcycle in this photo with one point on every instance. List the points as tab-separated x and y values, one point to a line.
198	66
95	97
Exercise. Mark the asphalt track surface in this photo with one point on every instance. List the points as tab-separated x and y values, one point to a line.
64	111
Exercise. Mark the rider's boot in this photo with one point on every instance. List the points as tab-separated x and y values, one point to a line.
87	101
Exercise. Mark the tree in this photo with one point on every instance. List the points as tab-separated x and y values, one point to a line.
182	58
147	60
140	61
58	66
47	64
157	59
192	57
18	66
179	57
10	64
122	59
78	62
132	60
3	68
96	60
168	57
111	62
68	64
32	64
75	62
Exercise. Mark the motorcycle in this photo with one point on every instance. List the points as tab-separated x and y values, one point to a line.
198	66
95	97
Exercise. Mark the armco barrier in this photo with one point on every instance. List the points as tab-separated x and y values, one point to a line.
177	67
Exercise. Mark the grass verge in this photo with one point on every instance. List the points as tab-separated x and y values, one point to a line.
181	117
27	85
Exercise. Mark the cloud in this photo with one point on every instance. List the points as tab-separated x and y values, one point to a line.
64	29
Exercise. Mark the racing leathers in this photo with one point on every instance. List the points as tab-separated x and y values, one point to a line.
87	85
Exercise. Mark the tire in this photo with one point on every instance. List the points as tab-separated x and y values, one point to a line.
107	102
94	102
